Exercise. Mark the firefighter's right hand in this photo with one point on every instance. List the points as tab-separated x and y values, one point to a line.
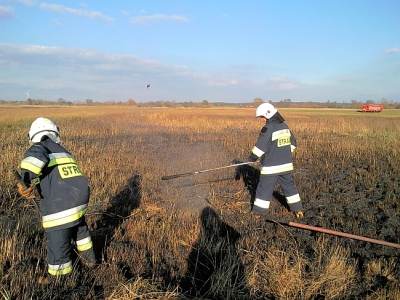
26	192
237	169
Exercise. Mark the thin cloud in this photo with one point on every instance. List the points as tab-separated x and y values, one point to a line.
283	83
25	2
158	18
6	12
392	50
39	54
222	82
125	13
80	12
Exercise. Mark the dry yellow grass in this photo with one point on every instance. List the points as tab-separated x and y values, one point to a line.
283	273
154	245
334	274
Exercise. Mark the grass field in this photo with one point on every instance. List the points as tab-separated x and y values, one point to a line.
195	236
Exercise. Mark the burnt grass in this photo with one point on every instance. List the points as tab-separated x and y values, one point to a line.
154	240
342	206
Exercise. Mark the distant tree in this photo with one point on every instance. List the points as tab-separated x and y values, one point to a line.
355	103
204	102
370	102
132	102
258	101
89	101
387	101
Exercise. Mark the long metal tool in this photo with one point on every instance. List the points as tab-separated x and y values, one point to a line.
168	177
338	233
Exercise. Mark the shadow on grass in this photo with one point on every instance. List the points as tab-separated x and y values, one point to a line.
214	266
121	206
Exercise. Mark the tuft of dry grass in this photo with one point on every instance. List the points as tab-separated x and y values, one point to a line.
279	274
285	274
141	289
333	272
381	267
384	294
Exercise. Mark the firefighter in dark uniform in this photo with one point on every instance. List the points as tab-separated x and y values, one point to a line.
64	191
275	146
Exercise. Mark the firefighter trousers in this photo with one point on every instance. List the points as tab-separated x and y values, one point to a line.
60	244
265	189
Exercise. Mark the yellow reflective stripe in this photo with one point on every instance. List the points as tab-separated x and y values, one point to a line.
60	272
30	167
84	244
257	151
85	247
261	203
32	164
63	269
83	241
280	134
277	169
59	161
65	220
64	217
59	155
293	199
64	213
34	161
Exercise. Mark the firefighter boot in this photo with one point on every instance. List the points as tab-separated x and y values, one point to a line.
88	258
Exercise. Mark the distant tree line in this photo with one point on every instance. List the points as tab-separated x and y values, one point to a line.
355	104
285	103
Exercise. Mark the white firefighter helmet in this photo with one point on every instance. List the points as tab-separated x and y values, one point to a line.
41	127
266	110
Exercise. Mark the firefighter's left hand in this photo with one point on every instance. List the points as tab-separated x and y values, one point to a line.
26	192
299	214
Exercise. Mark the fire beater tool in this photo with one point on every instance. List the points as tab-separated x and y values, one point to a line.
168	177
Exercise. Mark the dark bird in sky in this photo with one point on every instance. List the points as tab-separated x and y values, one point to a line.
148	85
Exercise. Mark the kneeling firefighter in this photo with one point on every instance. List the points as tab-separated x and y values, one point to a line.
64	191
274	146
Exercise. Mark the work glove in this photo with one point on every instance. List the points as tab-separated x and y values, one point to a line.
237	169
252	157
299	214
26	192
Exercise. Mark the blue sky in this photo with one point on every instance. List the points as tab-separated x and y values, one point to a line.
194	50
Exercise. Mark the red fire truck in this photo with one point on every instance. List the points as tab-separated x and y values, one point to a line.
371	108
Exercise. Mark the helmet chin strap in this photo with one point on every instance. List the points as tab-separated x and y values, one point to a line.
31	138
51	134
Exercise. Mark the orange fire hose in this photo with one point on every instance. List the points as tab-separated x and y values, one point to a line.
339	233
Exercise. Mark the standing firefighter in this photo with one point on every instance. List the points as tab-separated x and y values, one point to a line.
64	193
275	146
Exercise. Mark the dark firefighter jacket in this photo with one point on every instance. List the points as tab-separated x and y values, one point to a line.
275	146
63	188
